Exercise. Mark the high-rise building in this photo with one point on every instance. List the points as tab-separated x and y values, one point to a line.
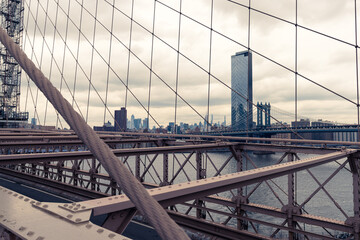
137	123
132	124
120	120
146	123
241	97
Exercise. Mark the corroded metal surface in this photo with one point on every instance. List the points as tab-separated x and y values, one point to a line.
19	216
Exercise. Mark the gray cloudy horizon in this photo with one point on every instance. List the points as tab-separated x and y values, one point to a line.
321	59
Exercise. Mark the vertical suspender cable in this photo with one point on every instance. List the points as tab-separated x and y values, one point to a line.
109	63
249	59
210	53
24	46
158	218
52	54
296	62
63	59
357	73
128	63
177	63
92	62
77	54
151	65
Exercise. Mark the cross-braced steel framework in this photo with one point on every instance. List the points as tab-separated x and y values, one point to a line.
11	19
201	191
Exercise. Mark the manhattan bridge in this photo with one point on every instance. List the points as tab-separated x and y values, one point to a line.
71	63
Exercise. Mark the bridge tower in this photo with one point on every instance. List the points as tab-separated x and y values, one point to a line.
11	19
263	108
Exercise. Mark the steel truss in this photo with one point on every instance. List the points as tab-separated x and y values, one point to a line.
199	191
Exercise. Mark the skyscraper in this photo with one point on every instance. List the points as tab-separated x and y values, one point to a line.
241	83
120	119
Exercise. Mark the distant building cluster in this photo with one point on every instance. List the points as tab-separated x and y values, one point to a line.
122	123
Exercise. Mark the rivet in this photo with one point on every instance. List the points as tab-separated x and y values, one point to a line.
73	204
40	238
22	228
9	192
15	195
5	190
70	207
111	235
26	199
69	216
65	205
1	216
76	209
116	197
45	206
100	230
78	220
83	207
78	205
30	233
88	226
32	202
21	197
110	199
38	203
151	190
121	196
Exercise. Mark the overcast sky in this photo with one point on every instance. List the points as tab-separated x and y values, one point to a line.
321	59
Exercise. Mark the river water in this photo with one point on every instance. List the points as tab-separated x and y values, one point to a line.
339	188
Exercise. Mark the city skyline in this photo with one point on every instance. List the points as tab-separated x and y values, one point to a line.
319	58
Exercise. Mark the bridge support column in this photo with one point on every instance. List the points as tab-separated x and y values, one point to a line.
355	220
46	169
240	198
92	171
291	208
137	164
200	174
165	180
59	168
75	174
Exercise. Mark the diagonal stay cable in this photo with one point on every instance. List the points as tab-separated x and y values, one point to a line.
295	24
49	49
83	71
158	218
260	54
193	62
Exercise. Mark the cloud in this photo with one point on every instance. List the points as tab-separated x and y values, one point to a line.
324	60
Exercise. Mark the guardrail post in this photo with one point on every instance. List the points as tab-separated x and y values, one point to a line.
355	220
165	169
291	201
240	198
200	174
137	164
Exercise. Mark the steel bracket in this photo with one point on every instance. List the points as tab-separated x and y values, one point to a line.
291	210
65	211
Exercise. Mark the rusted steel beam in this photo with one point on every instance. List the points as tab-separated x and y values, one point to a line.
41	157
20	217
178	193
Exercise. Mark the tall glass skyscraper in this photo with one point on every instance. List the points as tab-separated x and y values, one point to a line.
241	82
